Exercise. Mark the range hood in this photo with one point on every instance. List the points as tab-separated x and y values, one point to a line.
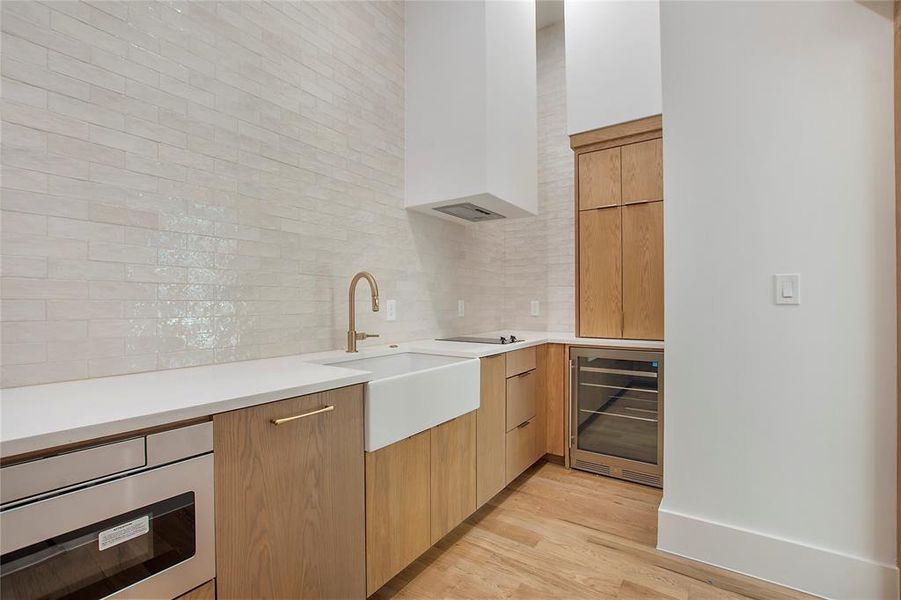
469	212
470	110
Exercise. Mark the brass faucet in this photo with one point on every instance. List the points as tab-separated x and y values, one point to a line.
352	334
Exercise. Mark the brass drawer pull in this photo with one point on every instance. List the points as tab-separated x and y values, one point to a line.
524	424
318	411
526	373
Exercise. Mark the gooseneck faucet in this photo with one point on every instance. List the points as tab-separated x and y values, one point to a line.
352	334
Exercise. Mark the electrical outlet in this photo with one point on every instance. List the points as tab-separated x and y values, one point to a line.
535	308
391	310
461	308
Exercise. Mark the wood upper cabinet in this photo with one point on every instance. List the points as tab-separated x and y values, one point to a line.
490	429
398	507
642	168
453	473
600	273
290	498
599	179
619	230
643	271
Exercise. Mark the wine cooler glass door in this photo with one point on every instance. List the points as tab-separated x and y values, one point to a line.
618	406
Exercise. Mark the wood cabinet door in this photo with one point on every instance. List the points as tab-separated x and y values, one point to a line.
642	166
643	271
490	446
600	273
290	499
453	474
397	507
599	179
521	398
556	398
521	444
541	399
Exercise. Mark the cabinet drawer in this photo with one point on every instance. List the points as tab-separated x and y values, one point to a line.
521	444
520	399
520	361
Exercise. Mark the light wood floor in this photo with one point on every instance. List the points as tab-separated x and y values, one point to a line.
567	534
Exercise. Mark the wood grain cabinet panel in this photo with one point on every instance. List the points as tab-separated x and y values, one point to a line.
555	398
490	445
207	591
397	507
643	271
599	179
600	273
521	398
642	167
453	475
521	447
290	499
520	361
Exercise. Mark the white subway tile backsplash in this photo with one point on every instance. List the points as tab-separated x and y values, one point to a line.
202	182
84	71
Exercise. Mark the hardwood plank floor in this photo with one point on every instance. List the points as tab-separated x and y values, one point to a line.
567	534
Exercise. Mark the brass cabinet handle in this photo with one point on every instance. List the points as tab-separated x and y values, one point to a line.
524	424
318	411
526	373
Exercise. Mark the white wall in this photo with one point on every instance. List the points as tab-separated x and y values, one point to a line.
612	62
780	420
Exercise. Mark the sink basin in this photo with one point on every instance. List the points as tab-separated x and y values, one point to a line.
412	392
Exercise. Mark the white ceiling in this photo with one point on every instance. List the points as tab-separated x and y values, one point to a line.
548	12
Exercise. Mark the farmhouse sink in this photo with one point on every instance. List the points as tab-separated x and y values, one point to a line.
412	392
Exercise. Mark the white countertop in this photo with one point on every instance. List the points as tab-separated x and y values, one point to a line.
43	416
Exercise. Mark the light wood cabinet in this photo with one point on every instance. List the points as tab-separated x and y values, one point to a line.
490	420
521	400
398	507
207	591
290	498
642	168
643	271
520	361
453	474
599	179
522	443
600	273
619	244
555	399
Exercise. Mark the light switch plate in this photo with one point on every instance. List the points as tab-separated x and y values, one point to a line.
535	308
461	308
391	310
787	288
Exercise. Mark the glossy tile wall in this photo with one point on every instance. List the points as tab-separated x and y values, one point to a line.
539	253
190	183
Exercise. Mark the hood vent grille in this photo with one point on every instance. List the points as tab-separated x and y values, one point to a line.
469	212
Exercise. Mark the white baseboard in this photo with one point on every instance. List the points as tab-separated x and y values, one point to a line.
789	563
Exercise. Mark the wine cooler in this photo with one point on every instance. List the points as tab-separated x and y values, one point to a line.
616	413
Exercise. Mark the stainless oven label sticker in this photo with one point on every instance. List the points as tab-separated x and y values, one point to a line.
124	532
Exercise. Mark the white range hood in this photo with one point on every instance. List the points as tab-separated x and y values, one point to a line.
471	109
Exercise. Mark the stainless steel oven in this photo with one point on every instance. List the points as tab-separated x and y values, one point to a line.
616	413
128	519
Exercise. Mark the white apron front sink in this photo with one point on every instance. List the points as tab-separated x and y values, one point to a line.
412	392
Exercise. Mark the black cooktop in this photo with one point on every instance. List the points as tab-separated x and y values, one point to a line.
504	339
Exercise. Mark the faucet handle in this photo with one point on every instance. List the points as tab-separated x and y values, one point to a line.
362	335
